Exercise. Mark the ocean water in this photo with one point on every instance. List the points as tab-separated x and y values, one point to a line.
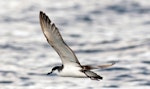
99	32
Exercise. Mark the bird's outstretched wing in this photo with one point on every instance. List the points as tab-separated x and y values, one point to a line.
55	39
90	67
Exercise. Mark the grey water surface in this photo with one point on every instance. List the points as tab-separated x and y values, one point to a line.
99	32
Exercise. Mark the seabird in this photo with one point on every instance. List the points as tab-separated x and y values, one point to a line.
70	67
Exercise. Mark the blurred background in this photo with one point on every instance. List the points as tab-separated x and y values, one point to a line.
99	31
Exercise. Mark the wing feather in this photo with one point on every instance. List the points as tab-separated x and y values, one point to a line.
90	67
55	39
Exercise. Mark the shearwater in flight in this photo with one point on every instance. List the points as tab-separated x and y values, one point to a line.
70	67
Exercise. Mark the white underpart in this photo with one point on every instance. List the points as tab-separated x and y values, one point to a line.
71	71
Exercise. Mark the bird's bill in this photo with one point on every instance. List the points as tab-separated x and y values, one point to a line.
49	73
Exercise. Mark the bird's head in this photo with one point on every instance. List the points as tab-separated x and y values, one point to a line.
59	68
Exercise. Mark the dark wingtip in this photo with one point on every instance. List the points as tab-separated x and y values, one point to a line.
41	12
44	16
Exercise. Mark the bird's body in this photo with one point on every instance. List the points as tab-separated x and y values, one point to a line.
72	71
71	67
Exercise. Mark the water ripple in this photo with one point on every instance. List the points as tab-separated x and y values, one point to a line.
6	82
